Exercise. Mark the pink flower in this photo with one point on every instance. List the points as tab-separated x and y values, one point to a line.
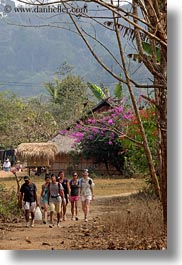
91	121
95	130
78	135
128	116
112	135
110	122
78	126
63	132
101	133
110	143
86	129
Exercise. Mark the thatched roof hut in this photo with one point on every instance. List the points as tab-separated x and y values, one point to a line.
37	154
43	154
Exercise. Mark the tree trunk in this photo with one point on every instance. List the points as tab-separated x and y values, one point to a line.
161	110
163	130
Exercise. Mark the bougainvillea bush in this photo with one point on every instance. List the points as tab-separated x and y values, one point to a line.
97	136
113	137
103	147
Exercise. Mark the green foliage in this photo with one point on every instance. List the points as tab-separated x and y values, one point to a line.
147	48
8	204
96	146
53	90
149	188
102	92
97	91
70	97
135	152
24	121
118	91
65	69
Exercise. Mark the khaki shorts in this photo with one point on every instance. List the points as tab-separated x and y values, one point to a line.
86	198
30	206
55	207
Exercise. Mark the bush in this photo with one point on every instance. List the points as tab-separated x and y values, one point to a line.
8	204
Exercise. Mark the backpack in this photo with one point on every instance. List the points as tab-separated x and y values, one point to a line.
60	190
89	182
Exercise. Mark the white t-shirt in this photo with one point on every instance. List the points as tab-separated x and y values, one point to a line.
86	187
7	164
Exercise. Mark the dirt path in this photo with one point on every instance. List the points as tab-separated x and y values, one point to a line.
115	223
4	174
16	236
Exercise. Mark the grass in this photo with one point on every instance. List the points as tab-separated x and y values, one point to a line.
125	223
136	223
107	187
103	187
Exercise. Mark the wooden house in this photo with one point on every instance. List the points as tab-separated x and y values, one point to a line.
60	153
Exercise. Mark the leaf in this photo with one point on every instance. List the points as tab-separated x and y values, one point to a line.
28	240
53	89
46	244
118	90
126	31
147	48
97	91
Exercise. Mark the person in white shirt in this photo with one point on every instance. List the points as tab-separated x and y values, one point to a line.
7	165
87	192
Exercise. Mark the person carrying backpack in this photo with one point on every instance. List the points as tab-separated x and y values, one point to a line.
66	188
86	192
55	198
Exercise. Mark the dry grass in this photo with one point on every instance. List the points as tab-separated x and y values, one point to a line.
136	224
128	223
103	187
107	187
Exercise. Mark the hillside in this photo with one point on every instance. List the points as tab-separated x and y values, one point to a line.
31	52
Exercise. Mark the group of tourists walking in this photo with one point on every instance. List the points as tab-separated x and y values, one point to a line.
55	195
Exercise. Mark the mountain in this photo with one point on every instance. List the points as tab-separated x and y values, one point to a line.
32	52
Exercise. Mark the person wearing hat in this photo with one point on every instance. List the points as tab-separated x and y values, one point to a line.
28	199
7	165
86	192
18	166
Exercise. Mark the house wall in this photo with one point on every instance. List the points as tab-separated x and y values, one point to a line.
103	108
69	163
38	163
